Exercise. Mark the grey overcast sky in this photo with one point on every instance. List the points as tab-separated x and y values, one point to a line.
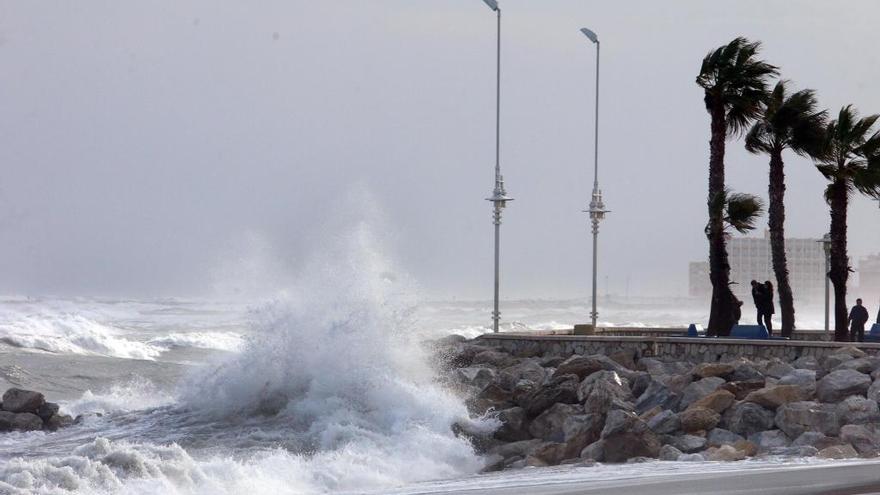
156	148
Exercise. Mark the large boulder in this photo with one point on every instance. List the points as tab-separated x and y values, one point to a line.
664	422
725	453
594	452
857	410
686	443
803	378
560	389
527	369
626	436
845	451
603	391
16	400
815	439
770	439
695	419
514	425
717	401
777	369
699	389
777	395
874	391
26	421
548	425
475	376
47	410
669	453
745	371
516	449
863	365
795	418
840	384
705	370
720	436
743	388
655	395
494	358
746	418
656	367
864	438
807	363
58	421
582	366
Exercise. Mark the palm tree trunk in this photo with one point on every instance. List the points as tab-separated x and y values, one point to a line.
721	312
776	213
839	259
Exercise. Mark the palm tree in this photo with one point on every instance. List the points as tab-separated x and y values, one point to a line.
734	82
851	162
787	121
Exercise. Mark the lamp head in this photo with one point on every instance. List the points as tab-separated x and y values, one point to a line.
590	34
493	4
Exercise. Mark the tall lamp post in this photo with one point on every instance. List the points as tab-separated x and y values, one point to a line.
499	197
597	209
826	246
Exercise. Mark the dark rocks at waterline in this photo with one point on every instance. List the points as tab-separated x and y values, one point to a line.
578	409
26	410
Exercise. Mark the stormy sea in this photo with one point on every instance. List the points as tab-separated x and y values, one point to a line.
325	387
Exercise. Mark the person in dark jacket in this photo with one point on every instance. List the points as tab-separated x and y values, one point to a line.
769	307
760	300
858	316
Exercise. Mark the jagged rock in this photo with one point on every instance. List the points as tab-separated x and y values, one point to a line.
494	358
719	436
58	421
16	400
548	425
516	449
864	438
775	396
647	415
495	394
815	439
47	410
656	367
726	453
603	391
626	436
582	430
852	351
523	391
461	355
560	389
840	384
766	440
698	419
741	389
514	425
706	370
527	369
691	458
625	358
746	418
551	361
746	372
551	453
26	421
807	363
655	395
699	389
778	369
669	453
582	366
717	401
845	451
857	410
749	448
805	379
795	418
595	451
639	384
492	463
874	391
792	451
665	422
863	365
841	356
687	443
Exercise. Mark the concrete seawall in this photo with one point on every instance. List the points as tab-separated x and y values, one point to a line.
676	348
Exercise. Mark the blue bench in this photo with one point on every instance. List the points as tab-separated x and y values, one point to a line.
874	334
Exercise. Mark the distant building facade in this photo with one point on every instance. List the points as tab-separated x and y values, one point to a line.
750	260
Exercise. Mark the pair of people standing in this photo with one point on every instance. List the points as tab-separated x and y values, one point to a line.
858	316
763	297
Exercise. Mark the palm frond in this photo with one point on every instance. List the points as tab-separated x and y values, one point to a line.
742	211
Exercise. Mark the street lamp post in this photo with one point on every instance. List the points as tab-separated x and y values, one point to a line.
826	246
597	209
499	197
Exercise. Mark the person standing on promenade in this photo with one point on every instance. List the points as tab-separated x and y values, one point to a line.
760	300
858	316
769	306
